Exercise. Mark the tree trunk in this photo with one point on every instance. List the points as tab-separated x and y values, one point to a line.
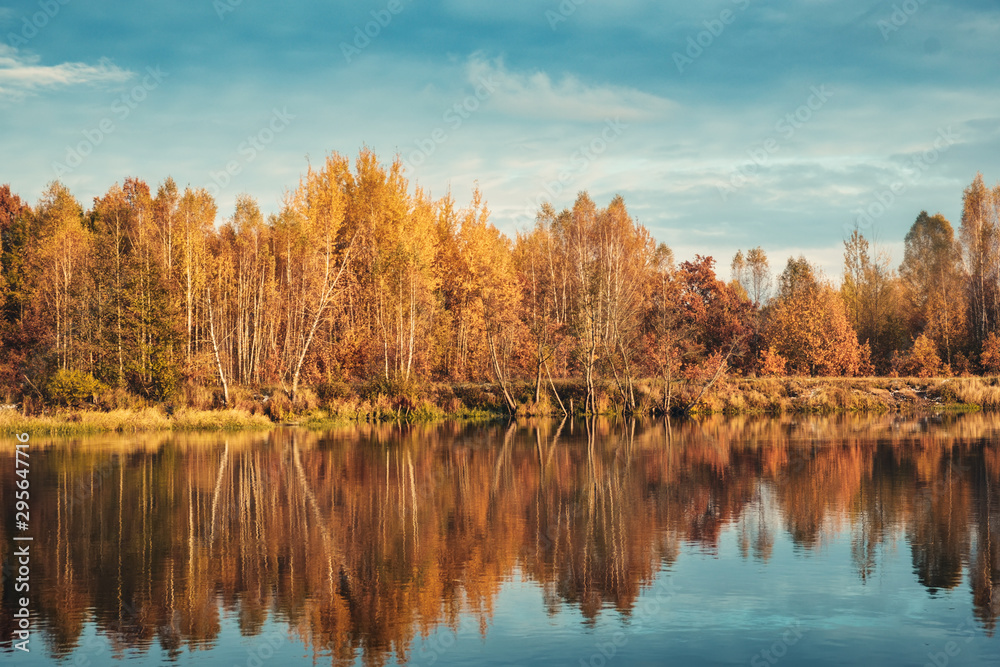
511	403
215	346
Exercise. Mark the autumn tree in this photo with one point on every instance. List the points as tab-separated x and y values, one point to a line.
752	273
717	314
60	270
541	260
625	255
922	359
870	293
585	311
250	324
807	324
667	327
18	336
314	253
393	278
980	238
933	283
134	326
195	218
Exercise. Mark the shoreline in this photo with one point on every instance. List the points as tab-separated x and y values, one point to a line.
484	402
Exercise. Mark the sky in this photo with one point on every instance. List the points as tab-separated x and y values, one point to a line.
725	124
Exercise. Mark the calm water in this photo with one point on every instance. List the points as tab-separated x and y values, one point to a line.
750	541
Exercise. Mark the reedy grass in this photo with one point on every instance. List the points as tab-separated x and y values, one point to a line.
469	402
74	422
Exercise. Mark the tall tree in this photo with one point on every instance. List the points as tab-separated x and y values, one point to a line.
18	334
807	324
980	236
60	269
315	253
933	283
870	292
135	322
625	255
195	219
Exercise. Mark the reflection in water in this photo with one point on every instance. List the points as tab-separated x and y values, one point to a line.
362	539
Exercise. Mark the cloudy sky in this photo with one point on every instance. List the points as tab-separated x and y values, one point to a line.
725	124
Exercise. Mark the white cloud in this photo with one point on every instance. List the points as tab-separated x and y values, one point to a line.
537	95
22	74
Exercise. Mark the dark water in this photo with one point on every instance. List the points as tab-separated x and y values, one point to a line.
753	541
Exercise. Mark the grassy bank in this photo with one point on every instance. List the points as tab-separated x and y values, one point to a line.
73	422
344	404
811	395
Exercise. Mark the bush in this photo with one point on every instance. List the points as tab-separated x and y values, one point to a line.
922	360
119	399
396	387
305	400
772	364
990	357
279	406
73	388
335	390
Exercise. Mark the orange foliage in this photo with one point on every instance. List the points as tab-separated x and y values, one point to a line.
922	360
772	364
990	355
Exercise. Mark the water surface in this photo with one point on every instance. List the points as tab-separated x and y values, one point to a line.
754	541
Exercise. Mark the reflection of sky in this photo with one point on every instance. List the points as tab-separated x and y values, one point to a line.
552	90
714	609
725	609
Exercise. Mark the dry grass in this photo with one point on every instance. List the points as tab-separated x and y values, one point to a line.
130	421
482	401
983	392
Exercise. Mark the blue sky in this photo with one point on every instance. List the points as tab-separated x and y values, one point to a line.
725	124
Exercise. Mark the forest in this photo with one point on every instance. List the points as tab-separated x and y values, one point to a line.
362	285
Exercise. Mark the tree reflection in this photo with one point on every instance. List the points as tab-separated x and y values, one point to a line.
363	539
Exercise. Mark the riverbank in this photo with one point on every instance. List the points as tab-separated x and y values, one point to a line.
823	395
79	422
484	402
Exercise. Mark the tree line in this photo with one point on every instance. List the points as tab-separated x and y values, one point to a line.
359	278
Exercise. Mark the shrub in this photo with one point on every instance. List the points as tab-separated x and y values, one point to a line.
305	400
396	387
990	357
116	398
334	390
279	406
772	364
73	388
922	360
